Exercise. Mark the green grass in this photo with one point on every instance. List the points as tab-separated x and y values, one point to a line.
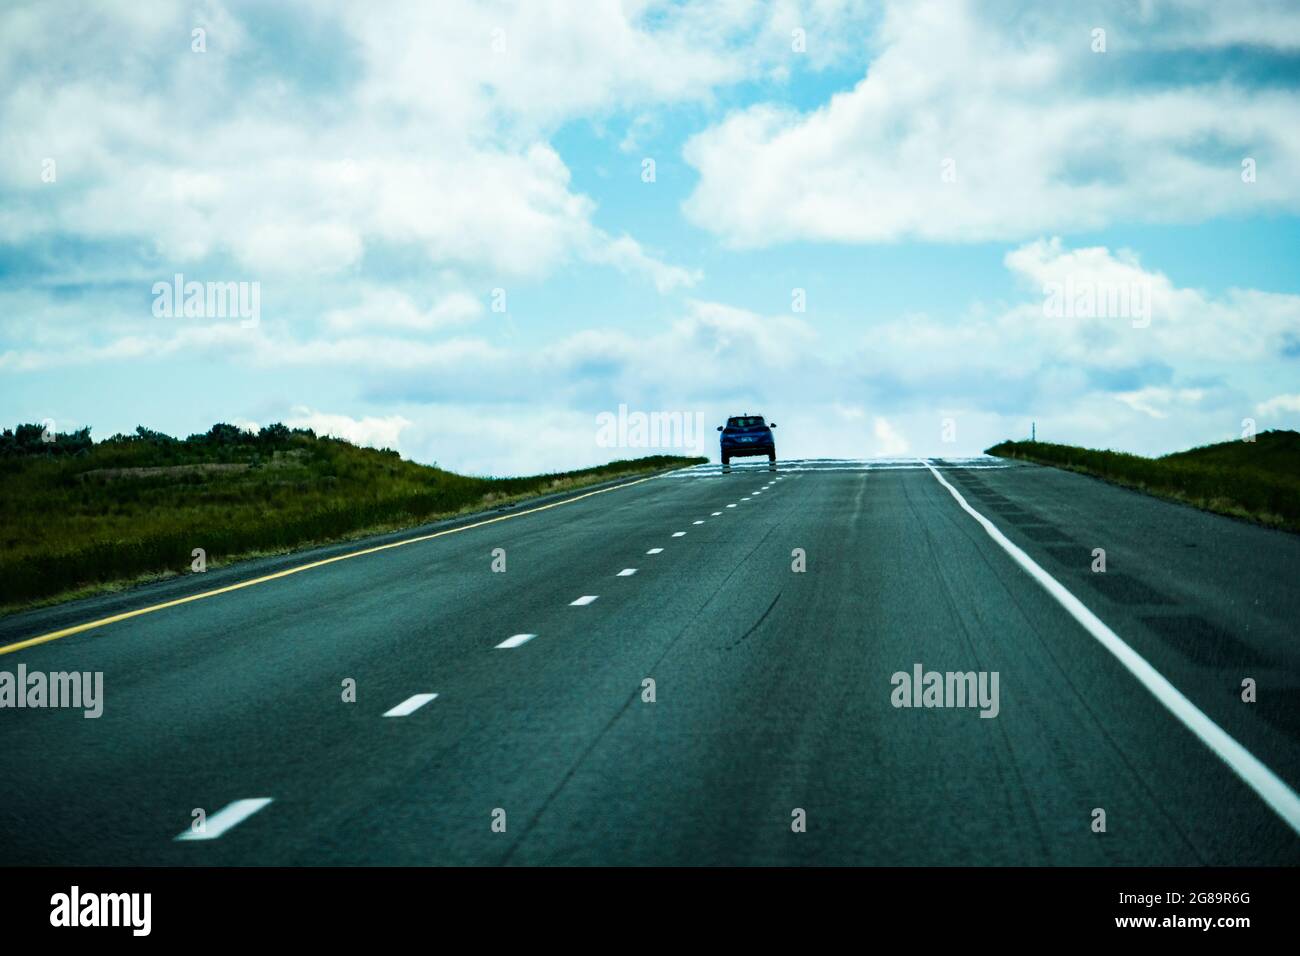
82	517
1258	481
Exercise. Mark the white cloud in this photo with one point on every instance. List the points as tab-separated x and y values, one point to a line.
1155	401
1038	141
1182	327
302	247
639	130
390	308
257	347
372	432
511	440
1209	23
627	256
415	136
1278	405
1199	366
888	441
382	191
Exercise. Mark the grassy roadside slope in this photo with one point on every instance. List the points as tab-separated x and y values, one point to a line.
83	516
1258	481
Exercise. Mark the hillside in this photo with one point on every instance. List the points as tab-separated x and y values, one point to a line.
1273	452
82	516
1258	481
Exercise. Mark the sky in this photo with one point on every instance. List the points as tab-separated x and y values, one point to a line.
476	231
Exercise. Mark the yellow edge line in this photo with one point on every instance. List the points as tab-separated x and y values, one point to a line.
91	625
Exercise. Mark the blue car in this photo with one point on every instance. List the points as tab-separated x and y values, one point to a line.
745	436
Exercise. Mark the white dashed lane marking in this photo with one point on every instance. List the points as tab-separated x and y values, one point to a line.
697	522
515	641
626	573
731	506
655	551
716	513
410	705
679	534
224	819
584	600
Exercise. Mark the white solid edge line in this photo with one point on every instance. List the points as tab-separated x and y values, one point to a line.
515	641
626	573
584	600
410	705
655	551
231	815
1267	785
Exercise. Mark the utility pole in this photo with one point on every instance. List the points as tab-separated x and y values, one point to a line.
1033	431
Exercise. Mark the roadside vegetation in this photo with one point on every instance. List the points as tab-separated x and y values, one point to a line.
81	516
1258	481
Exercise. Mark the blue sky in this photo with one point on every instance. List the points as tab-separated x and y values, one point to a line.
924	172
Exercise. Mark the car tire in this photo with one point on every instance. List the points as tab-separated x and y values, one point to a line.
726	459
771	456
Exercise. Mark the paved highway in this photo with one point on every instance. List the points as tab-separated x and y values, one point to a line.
773	735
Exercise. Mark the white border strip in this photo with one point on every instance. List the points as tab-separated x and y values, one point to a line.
1268	785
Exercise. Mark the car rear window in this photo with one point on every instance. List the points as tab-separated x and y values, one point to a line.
749	422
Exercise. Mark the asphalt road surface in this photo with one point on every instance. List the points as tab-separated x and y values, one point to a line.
773	735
